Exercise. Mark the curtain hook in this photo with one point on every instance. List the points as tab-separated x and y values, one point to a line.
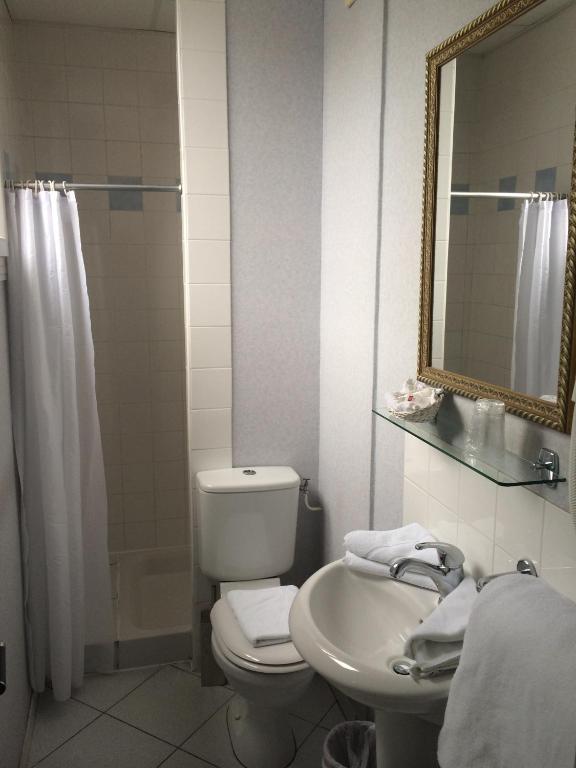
52	185
64	188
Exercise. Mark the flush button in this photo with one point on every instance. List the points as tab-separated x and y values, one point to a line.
248	471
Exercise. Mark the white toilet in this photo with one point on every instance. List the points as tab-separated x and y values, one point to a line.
247	524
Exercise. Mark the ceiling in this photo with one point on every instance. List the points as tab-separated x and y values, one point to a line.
125	14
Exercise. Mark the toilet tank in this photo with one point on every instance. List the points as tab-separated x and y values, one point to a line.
247	521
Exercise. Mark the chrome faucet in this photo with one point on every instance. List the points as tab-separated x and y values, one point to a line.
446	575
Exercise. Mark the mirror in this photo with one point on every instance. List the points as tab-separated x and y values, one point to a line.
498	240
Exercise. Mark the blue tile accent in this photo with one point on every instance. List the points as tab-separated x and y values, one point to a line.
545	180
126	201
460	206
506	184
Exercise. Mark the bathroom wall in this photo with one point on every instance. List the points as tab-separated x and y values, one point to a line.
275	65
102	106
353	50
493	525
203	114
15	701
406	46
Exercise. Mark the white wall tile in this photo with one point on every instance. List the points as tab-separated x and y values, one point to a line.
208	305
210	388
477	549
443	479
214	458
208	217
202	25
519	522
559	541
208	261
203	75
206	171
477	501
415	504
210	429
205	123
416	461
209	347
442	522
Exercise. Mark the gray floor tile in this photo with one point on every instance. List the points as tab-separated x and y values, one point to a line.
316	702
170	705
183	760
102	691
212	741
310	754
186	666
108	743
332	718
55	722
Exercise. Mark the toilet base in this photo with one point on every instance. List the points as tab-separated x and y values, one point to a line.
261	737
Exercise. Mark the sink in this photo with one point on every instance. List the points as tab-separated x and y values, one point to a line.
351	628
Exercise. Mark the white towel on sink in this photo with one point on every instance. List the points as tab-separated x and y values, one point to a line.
512	701
386	546
362	565
263	613
436	644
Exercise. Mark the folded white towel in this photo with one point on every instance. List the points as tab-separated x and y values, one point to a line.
436	644
386	546
372	568
263	613
512	699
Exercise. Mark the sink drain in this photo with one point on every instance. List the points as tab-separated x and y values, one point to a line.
401	668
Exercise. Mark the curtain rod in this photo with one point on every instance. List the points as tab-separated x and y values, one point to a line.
516	195
62	186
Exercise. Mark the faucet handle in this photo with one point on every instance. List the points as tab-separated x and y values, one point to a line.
450	556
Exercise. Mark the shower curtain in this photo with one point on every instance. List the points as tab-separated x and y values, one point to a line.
57	442
539	298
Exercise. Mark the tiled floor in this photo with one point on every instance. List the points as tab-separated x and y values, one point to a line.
160	716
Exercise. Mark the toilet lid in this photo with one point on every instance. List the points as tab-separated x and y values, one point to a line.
231	636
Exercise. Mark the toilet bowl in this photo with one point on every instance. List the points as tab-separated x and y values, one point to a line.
267	682
247	526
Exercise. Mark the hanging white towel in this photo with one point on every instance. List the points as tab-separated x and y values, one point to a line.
386	546
512	700
263	613
436	644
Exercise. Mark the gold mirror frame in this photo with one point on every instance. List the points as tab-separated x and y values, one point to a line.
555	415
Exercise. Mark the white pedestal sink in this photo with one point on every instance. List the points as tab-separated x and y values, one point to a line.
351	628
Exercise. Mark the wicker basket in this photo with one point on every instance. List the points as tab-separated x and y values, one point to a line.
423	414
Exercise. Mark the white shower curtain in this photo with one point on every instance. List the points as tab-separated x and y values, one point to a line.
543	239
58	445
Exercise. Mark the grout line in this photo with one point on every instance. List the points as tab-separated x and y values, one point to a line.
100	715
116	672
167	758
224	704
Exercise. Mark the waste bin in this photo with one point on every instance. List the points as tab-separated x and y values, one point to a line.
350	745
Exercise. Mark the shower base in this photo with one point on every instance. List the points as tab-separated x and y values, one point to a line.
152	596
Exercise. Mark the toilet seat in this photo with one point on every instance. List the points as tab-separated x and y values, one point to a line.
270	659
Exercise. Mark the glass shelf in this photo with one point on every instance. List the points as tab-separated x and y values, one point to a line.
503	468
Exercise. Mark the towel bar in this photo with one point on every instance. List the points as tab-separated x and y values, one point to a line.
522	566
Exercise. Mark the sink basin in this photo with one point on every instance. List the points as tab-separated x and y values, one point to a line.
351	628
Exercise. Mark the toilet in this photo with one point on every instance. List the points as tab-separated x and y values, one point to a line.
247	526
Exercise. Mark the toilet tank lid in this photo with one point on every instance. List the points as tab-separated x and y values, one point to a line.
247	479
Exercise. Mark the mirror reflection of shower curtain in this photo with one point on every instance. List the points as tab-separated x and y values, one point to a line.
543	238
58	443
